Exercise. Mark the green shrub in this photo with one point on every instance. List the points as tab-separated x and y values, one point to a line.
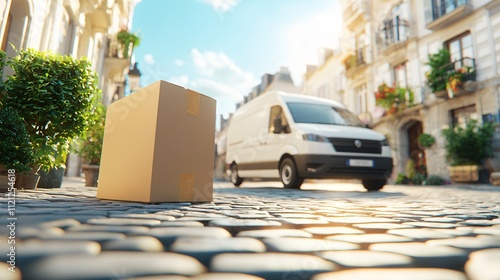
434	180
402	179
89	146
418	179
15	149
54	95
410	169
470	145
438	75
426	140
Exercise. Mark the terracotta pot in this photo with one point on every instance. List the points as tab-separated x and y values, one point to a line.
91	174
28	181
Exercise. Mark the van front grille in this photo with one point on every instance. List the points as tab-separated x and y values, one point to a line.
348	146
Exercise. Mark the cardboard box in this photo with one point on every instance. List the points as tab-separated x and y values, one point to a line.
159	146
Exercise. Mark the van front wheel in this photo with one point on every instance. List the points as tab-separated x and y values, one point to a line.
374	185
235	179
289	175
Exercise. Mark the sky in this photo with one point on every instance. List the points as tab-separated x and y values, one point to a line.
221	48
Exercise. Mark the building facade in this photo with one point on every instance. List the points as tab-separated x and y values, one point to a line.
389	42
79	28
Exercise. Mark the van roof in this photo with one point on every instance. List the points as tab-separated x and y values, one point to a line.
295	97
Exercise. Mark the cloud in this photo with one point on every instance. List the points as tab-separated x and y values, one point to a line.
220	67
179	62
182	81
149	58
221	6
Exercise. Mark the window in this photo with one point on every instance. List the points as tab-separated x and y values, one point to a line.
400	75
460	116
322	114
361	102
277	117
460	47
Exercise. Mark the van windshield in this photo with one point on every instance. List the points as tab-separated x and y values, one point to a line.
322	114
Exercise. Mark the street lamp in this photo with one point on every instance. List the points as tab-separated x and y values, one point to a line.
134	77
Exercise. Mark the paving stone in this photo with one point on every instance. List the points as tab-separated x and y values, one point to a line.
296	215
370	238
359	220
203	249
487	230
431	225
300	222
113	265
99	237
420	234
442	220
124	222
226	276
178	223
246	214
32	232
270	233
393	274
134	243
324	231
364	258
483	265
167	235
29	251
62	224
144	216
160	277
426	255
8	272
477	223
128	230
468	243
272	266
236	225
381	227
306	245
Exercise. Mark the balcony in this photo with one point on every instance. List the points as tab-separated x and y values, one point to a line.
354	13
393	34
460	78
117	59
446	12
355	61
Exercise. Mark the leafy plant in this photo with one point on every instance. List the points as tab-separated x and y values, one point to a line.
438	75
89	146
426	140
15	149
410	169
470	145
126	39
434	180
418	179
402	179
393	99
54	95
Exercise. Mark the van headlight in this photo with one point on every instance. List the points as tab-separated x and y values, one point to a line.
384	142
315	138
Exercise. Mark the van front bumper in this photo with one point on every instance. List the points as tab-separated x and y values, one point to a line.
340	167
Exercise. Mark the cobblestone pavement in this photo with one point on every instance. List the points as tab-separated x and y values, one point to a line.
260	231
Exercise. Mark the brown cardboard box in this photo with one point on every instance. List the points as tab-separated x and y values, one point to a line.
159	146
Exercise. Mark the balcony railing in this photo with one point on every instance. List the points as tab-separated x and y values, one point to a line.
356	59
116	49
393	32
445	12
466	67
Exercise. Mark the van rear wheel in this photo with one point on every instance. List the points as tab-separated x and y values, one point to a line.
235	179
374	185
289	175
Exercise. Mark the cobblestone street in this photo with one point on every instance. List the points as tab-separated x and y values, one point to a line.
260	231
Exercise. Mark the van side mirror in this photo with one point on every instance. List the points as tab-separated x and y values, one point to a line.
277	126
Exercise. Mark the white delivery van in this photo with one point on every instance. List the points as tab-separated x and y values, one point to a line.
295	137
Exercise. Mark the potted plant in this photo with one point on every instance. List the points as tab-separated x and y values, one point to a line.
425	140
89	146
15	150
54	96
393	99
437	76
127	40
467	148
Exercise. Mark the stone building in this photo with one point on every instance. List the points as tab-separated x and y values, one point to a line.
80	28
388	41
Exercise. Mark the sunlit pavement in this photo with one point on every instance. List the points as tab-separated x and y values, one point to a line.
327	230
